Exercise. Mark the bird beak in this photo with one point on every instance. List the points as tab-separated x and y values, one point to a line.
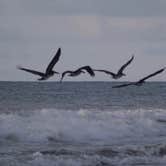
56	72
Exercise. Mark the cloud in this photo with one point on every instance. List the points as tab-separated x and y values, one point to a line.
103	34
82	29
38	29
114	8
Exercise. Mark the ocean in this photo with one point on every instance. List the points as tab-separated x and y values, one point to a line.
82	124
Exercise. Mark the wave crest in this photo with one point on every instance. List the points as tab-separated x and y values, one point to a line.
84	126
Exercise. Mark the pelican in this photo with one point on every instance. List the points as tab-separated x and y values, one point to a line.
141	81
78	72
49	70
120	73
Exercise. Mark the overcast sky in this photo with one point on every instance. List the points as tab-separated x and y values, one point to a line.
100	33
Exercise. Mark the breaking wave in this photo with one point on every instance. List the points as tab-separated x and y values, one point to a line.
83	137
85	126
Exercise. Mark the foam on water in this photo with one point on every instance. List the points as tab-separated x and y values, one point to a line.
83	137
85	126
114	127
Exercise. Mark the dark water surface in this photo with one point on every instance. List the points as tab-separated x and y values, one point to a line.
82	124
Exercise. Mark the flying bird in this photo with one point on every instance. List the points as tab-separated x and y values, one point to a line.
120	73
49	70
141	81
77	72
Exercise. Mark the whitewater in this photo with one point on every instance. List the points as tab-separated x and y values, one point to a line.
82	124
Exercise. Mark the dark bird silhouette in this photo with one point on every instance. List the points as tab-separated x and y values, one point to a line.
141	81
49	70
77	72
120	71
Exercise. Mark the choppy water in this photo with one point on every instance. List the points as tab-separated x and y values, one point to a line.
82	124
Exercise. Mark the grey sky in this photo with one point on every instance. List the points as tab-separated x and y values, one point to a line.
100	33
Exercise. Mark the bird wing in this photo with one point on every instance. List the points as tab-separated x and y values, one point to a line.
123	85
106	71
88	69
125	65
151	75
64	73
32	71
53	61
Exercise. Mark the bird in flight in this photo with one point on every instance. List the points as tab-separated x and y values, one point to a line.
120	73
49	70
77	72
141	81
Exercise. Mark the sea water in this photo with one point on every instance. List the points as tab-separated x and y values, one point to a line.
82	124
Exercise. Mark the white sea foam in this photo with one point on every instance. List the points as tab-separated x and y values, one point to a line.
84	126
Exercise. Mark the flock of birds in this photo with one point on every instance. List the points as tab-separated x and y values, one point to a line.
50	72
